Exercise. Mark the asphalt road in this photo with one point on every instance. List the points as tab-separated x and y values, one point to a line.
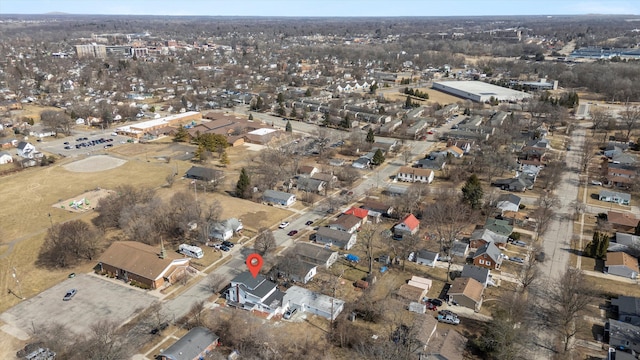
557	240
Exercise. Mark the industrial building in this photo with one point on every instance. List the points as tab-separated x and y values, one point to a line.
479	91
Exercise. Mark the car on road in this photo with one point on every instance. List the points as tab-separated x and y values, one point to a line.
287	315
517	259
79	139
449	319
67	147
66	143
292	232
284	225
108	146
436	302
228	244
70	294
309	222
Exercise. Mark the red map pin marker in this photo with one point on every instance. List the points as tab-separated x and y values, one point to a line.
254	263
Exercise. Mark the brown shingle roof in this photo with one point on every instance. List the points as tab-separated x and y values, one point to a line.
138	258
624	219
347	221
468	287
622	259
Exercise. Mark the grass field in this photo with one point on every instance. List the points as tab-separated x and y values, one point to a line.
434	96
29	196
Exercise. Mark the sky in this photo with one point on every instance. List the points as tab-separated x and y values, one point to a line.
305	8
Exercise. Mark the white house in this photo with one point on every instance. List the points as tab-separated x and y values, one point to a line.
425	257
508	202
5	158
278	197
256	293
411	174
26	150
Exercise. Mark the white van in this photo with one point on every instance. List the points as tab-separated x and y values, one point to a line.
191	251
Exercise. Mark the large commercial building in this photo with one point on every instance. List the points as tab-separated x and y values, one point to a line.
479	91
140	129
91	50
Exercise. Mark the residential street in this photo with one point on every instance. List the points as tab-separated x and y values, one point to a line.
557	240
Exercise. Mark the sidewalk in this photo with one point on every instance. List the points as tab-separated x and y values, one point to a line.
611	277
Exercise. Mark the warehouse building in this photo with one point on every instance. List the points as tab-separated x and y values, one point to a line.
479	91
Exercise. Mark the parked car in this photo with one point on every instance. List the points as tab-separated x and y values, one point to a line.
287	315
292	232
517	259
66	143
160	327
309	222
519	243
70	294
447	312
431	306
284	225
108	146
67	147
436	302
596	182
224	248
449	319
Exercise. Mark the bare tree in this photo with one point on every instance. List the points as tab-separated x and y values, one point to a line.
569	297
546	204
630	117
56	121
105	342
265	241
69	243
448	216
599	117
529	272
214	282
552	174
588	153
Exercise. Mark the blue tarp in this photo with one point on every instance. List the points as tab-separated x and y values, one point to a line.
353	258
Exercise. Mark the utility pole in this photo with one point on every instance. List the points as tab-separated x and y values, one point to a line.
50	220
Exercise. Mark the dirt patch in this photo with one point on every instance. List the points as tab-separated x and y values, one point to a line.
83	202
95	163
434	96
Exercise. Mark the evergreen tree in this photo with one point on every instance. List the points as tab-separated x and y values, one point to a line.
378	158
472	192
181	135
293	114
242	187
288	128
308	92
280	98
224	159
346	123
370	138
250	116
408	103
198	154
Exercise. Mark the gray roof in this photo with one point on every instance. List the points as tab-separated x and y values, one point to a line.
509	198
622	330
627	239
490	249
627	305
619	195
203	173
427	255
190	345
275	194
338	235
2	153
459	248
488	236
258	286
317	254
500	227
475	272
309	184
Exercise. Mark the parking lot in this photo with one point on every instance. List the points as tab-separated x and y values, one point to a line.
97	299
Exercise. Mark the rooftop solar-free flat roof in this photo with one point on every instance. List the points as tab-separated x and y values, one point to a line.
484	89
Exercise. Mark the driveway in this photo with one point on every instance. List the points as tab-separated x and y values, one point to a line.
97	299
